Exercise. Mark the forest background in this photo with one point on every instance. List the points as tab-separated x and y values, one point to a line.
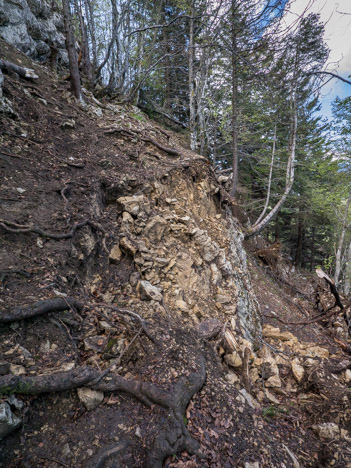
243	85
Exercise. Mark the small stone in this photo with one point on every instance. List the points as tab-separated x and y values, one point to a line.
252	465
90	398
232	378
327	430
155	229
150	292
127	246
271	397
66	451
134	278
45	347
210	328
17	370
297	370
348	375
182	305
68	124
95	343
127	218
115	254
4	367
131	204
274	382
8	421
13	401
233	359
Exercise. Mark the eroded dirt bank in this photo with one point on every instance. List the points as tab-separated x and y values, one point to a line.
163	348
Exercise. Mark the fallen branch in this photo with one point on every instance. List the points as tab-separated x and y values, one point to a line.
133	315
40	308
23	72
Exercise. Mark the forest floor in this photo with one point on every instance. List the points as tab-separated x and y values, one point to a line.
175	401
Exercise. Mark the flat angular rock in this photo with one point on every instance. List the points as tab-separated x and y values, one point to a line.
155	229
131	204
127	246
115	254
90	398
297	370
8	421
149	292
210	328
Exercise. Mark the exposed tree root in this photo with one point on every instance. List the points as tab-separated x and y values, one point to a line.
146	139
23	229
172	437
103	455
131	314
40	308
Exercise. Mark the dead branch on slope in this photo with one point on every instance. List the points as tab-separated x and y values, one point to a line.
40	308
23	72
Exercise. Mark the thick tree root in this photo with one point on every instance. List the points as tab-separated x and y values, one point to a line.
172	437
40	308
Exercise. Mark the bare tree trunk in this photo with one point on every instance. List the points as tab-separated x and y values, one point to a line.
313	248
234	104
91	27
290	173
86	64
192	126
71	50
341	242
269	178
347	276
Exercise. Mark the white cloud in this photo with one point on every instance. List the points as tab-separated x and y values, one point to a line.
336	15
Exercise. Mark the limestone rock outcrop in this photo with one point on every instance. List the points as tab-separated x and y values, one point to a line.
32	26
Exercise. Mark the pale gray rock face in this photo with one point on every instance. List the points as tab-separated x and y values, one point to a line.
31	26
8	421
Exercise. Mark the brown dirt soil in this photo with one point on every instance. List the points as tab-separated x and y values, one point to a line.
54	177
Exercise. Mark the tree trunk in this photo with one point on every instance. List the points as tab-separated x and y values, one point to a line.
234	104
341	242
84	46
347	276
313	248
290	173
192	127
269	178
71	50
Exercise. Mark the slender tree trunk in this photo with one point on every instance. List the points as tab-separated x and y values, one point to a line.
71	50
269	178
341	242
86	64
235	156
91	27
290	174
347	282
192	125
300	240
313	248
